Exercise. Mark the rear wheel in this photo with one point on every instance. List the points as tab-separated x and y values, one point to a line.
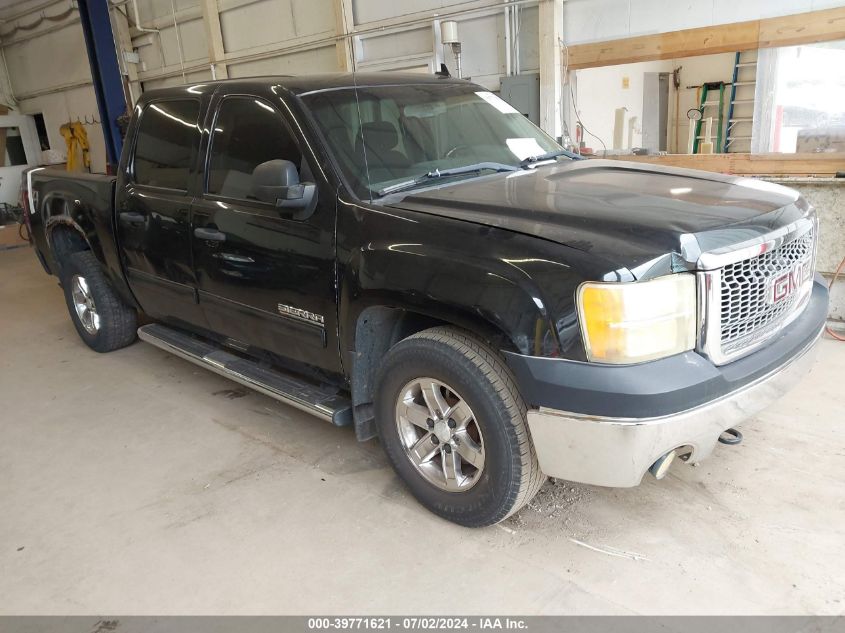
454	427
102	320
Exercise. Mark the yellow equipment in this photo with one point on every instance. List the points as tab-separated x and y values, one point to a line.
76	138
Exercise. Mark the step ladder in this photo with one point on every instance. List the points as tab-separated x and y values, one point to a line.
706	102
741	105
326	402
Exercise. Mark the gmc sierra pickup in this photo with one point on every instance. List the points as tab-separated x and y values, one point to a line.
411	256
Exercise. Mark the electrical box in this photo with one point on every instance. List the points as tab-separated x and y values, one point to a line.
523	93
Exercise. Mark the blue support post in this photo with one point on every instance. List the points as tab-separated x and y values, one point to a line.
105	71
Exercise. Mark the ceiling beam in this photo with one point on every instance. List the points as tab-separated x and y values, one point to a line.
790	30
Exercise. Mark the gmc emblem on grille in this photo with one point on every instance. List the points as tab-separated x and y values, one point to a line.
788	283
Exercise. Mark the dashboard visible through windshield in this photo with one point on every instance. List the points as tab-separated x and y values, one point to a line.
408	135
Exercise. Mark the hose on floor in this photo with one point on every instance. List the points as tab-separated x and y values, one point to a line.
830	288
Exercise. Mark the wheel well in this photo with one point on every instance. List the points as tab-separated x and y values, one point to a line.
65	239
378	329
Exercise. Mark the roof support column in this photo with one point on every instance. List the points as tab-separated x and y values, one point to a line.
214	37
345	26
551	66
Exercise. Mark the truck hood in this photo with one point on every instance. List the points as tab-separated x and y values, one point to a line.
630	214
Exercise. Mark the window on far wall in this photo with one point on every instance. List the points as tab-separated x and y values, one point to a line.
800	99
41	128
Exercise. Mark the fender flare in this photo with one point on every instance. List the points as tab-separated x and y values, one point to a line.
63	220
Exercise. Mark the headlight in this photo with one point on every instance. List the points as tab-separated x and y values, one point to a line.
635	322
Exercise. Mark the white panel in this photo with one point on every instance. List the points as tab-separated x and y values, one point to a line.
190	78
60	108
39	63
818	5
151	9
364	11
194	44
270	21
299	63
659	16
600	93
192	34
725	11
594	20
529	32
482	46
397	44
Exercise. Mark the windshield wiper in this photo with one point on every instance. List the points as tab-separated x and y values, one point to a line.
549	156
441	173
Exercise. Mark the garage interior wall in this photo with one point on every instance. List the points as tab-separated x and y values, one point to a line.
46	69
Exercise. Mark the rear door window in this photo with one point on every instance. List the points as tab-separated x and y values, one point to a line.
167	144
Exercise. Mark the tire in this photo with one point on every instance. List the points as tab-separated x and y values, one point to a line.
471	378
116	323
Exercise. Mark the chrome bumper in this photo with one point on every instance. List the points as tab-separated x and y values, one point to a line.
617	452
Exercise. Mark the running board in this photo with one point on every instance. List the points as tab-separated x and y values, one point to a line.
324	402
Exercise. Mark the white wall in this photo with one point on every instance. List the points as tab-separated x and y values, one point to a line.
48	72
48	68
600	91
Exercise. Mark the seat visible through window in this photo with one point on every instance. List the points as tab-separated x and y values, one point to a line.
247	132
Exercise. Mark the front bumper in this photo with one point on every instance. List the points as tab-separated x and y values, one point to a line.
595	444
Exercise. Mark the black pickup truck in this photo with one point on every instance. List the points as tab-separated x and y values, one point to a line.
411	256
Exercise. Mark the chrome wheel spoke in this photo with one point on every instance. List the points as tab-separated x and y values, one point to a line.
461	414
434	399
416	414
470	450
452	470
423	450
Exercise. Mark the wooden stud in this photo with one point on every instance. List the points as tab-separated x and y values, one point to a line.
790	30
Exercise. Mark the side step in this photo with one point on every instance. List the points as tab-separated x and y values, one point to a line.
324	402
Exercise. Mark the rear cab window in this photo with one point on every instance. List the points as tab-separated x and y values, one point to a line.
166	144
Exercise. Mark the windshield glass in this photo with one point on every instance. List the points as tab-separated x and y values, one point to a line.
406	132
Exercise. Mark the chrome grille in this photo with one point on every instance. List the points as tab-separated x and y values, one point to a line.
746	313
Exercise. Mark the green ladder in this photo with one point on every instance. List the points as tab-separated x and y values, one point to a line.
706	89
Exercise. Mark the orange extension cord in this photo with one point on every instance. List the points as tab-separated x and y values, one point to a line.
830	287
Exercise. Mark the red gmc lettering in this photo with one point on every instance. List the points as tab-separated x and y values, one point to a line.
789	282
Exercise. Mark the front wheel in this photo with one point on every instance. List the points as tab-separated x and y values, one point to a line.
104	322
454	427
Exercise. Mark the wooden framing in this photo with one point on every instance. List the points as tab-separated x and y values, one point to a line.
751	164
790	30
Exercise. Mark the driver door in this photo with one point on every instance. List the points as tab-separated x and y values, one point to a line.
265	279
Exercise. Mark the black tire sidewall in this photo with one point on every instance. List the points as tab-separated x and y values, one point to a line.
494	494
85	264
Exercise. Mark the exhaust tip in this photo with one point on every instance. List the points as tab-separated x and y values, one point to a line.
661	466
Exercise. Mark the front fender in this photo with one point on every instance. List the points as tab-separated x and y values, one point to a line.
448	284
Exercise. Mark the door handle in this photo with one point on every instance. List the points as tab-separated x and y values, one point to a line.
130	217
212	235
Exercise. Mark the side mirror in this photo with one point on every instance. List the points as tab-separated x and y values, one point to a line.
277	182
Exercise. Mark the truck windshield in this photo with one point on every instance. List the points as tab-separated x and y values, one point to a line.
406	133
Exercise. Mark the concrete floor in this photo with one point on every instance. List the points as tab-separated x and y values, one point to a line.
134	483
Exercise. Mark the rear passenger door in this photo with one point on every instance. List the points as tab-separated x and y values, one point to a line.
153	216
266	279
